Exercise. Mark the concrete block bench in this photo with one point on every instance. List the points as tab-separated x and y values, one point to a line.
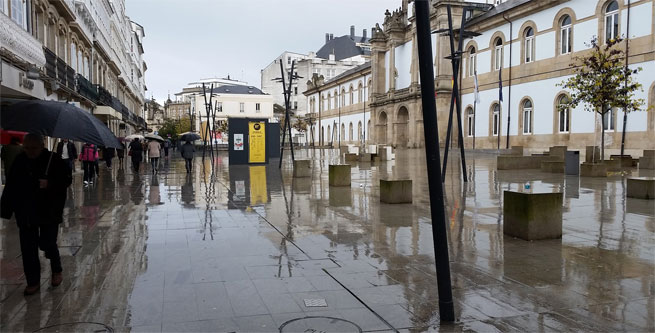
515	162
396	191
592	154
339	175
553	166
613	165
558	152
350	157
302	168
641	188
593	170
625	161
365	157
532	216
648	160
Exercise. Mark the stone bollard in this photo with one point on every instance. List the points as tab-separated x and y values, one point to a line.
648	160
339	175
396	191
641	188
350	158
558	152
365	157
532	216
593	170
302	168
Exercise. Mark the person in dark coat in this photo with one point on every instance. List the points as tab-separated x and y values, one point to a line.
187	151
121	154
9	154
108	155
136	152
69	154
35	193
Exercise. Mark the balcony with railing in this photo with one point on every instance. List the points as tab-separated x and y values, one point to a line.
87	89
70	77
50	63
20	42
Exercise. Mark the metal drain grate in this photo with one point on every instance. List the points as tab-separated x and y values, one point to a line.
315	303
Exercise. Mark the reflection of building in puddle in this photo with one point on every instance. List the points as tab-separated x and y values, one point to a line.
258	192
187	192
534	263
248	186
301	185
642	207
154	197
340	196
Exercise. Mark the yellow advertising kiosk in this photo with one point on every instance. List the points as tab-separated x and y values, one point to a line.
257	142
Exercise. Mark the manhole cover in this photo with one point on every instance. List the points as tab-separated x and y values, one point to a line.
319	324
78	327
312	303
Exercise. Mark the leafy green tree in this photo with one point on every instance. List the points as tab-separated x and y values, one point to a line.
183	125
601	81
170	127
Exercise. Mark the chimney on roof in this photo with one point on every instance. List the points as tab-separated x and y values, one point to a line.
331	36
352	32
327	37
364	34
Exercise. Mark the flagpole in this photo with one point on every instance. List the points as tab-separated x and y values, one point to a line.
500	105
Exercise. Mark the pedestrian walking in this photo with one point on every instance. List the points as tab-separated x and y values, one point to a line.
68	153
154	152
88	157
9	154
167	145
108	154
121	155
35	193
136	152
187	151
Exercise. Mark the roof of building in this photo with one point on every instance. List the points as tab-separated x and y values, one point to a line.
238	89
350	71
343	47
498	9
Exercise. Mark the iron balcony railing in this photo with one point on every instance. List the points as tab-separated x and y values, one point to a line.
50	63
70	77
87	89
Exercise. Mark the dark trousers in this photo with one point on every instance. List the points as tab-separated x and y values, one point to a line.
31	240
187	164
89	170
165	151
135	164
154	163
108	161
71	164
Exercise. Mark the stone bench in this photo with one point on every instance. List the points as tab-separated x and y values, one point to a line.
558	152
350	157
625	160
396	191
553	166
648	160
513	162
641	188
592	154
302	168
613	165
339	175
365	157
593	170
532	216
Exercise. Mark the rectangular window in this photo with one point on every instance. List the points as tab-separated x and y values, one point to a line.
528	49
471	65
257	107
499	57
242	108
527	123
295	105
471	124
566	40
17	10
611	26
295	90
220	107
496	123
564	120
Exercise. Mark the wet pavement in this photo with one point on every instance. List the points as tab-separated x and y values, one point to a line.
239	248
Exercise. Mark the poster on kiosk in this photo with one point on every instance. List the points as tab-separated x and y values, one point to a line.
252	141
257	142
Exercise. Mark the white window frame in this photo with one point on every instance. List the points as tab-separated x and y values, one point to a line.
498	56
563	124
565	35
219	107
472	62
529	46
258	107
496	120
242	107
611	22
471	122
609	124
527	116
18	16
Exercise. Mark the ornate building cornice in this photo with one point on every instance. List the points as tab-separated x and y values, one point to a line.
20	42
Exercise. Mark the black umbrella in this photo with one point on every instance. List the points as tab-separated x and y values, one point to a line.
58	120
189	136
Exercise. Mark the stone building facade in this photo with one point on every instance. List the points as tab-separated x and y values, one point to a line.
545	37
87	52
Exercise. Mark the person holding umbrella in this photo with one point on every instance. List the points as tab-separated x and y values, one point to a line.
187	151
68	152
136	152
121	154
154	149
108	155
36	193
88	156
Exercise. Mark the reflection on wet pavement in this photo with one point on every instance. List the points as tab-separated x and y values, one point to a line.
244	248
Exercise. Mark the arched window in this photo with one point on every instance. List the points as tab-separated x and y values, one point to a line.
360	93
359	130
342	135
472	61
565	34
527	117
496	119
350	130
352	95
470	117
498	54
336	99
73	55
564	114
329	101
529	45
611	20
343	97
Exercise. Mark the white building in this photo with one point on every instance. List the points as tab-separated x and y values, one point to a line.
336	56
87	52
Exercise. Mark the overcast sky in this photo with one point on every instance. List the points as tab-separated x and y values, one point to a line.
187	40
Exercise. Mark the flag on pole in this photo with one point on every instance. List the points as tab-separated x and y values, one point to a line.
500	84
476	91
